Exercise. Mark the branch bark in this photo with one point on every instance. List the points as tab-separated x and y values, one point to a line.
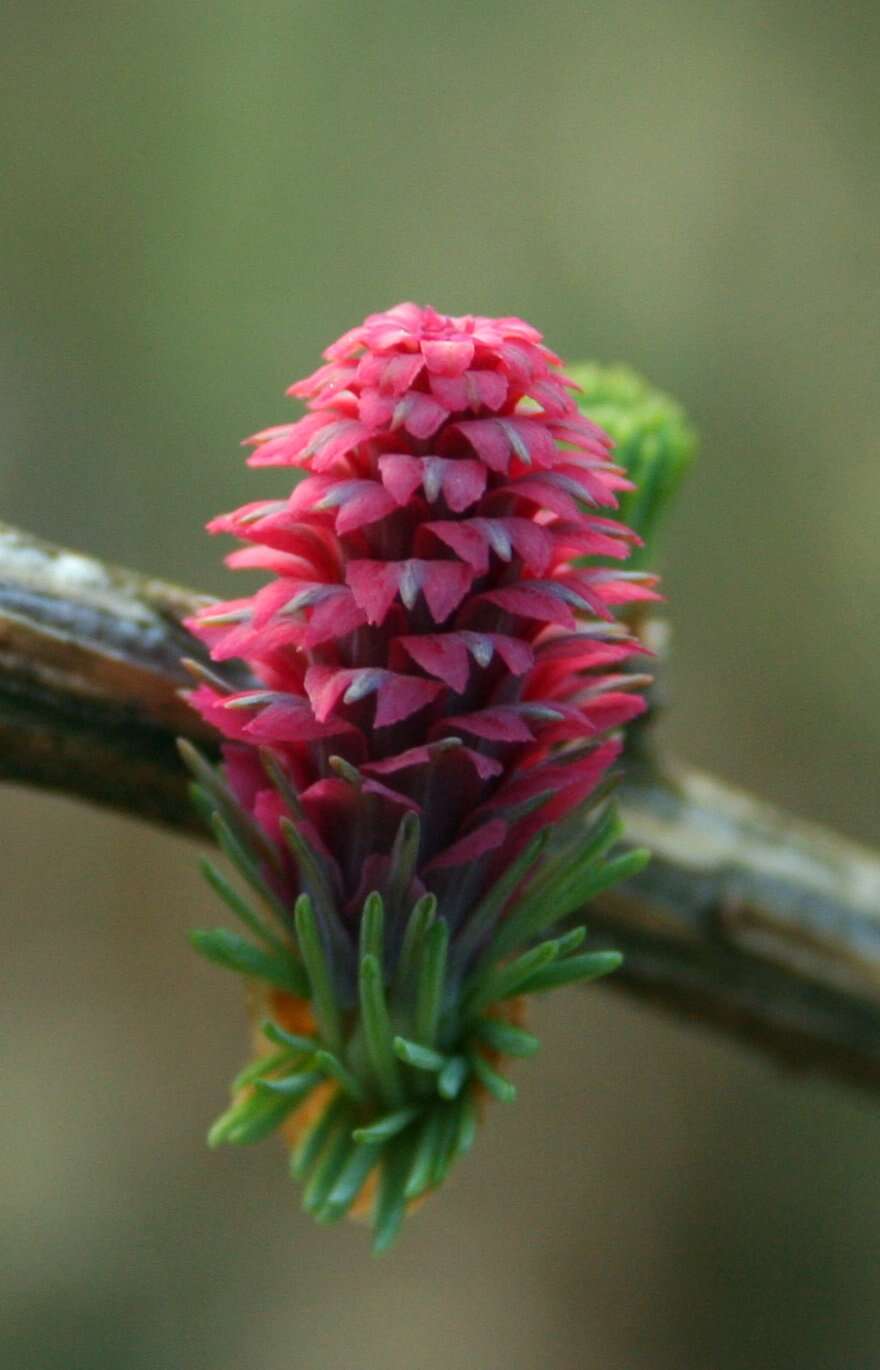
747	919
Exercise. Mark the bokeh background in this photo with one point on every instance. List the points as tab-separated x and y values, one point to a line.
197	197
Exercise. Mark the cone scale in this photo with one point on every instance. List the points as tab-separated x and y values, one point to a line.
415	777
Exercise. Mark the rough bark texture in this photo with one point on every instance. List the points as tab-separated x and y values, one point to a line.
746	919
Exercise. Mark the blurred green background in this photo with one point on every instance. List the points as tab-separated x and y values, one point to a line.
197	197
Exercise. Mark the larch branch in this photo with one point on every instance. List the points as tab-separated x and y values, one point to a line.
746	919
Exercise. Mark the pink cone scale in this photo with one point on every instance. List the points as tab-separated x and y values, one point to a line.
431	685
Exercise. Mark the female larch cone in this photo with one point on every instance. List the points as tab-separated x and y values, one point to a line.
434	683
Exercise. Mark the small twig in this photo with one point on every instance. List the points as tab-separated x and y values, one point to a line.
746	919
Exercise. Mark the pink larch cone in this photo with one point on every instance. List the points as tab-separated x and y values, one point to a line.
435	684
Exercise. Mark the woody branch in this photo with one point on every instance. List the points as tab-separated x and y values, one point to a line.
747	919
